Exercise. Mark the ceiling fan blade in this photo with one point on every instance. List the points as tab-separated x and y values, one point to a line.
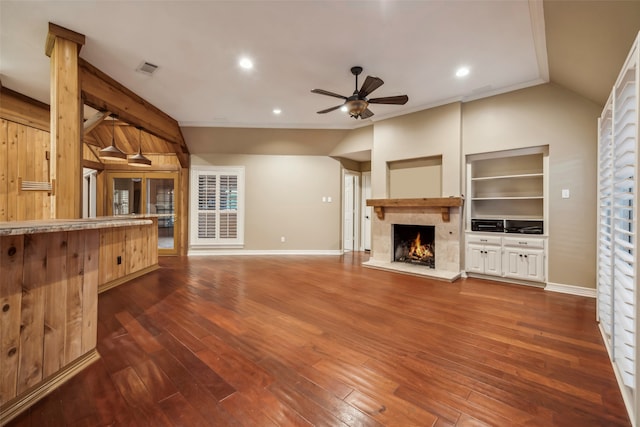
370	84
400	100
366	114
326	92
328	110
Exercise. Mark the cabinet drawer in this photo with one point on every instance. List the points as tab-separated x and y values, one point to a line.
523	242
484	240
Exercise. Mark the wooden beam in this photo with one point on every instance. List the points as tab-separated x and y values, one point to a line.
104	93
92	122
64	33
92	165
19	108
66	121
444	203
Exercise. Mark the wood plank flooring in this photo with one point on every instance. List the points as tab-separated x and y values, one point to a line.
300	341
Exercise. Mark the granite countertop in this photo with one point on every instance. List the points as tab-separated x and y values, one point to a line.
53	225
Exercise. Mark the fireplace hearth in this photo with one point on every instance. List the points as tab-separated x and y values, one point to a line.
414	244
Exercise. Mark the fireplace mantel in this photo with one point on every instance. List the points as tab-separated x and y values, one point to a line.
444	203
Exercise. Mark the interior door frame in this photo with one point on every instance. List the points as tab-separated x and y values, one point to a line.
365	211
356	209
145	176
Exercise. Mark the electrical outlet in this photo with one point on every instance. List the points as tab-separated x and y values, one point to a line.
119	260
329	199
565	193
324	199
282	239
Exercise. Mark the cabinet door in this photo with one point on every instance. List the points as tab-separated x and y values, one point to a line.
492	261
475	258
512	262
533	265
524	264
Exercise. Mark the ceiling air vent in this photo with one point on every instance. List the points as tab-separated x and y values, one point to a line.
146	68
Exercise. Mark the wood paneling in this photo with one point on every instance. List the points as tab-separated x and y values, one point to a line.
23	155
24	110
49	281
48	300
11	266
137	248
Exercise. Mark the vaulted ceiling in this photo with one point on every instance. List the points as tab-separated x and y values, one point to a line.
414	46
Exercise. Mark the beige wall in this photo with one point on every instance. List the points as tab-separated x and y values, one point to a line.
428	133
357	141
299	142
283	197
415	178
549	115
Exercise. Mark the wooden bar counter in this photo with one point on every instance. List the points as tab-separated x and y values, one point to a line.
50	275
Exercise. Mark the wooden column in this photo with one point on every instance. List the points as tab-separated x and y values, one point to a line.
63	46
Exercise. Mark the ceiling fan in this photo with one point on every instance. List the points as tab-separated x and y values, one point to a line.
357	105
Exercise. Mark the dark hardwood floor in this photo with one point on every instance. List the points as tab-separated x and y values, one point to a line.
298	341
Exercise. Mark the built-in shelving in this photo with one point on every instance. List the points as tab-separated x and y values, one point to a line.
507	185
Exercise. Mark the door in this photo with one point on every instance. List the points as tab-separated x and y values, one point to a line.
161	201
151	193
350	211
366	211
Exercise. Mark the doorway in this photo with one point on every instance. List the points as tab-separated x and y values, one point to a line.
350	211
148	193
366	212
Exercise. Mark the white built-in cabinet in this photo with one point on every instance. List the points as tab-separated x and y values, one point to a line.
507	185
484	255
523	258
617	293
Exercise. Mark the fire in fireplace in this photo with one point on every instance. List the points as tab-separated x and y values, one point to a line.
414	244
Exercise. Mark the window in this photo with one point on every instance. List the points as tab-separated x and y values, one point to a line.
217	211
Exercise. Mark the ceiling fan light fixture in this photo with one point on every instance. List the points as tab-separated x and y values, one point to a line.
356	106
139	159
112	152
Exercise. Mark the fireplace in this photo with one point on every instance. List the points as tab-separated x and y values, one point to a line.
414	244
444	214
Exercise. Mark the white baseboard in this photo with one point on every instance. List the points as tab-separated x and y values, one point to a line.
571	289
209	252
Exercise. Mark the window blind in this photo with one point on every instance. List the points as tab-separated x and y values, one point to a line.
216	211
625	159
605	248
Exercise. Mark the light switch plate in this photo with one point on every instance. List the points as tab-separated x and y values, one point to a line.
565	193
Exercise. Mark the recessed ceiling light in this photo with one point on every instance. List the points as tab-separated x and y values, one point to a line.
344	109
462	72
246	63
277	111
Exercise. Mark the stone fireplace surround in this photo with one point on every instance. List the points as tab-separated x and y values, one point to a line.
447	236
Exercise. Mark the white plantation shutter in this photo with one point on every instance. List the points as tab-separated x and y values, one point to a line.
618	163
605	200
216	218
206	206
228	206
625	196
